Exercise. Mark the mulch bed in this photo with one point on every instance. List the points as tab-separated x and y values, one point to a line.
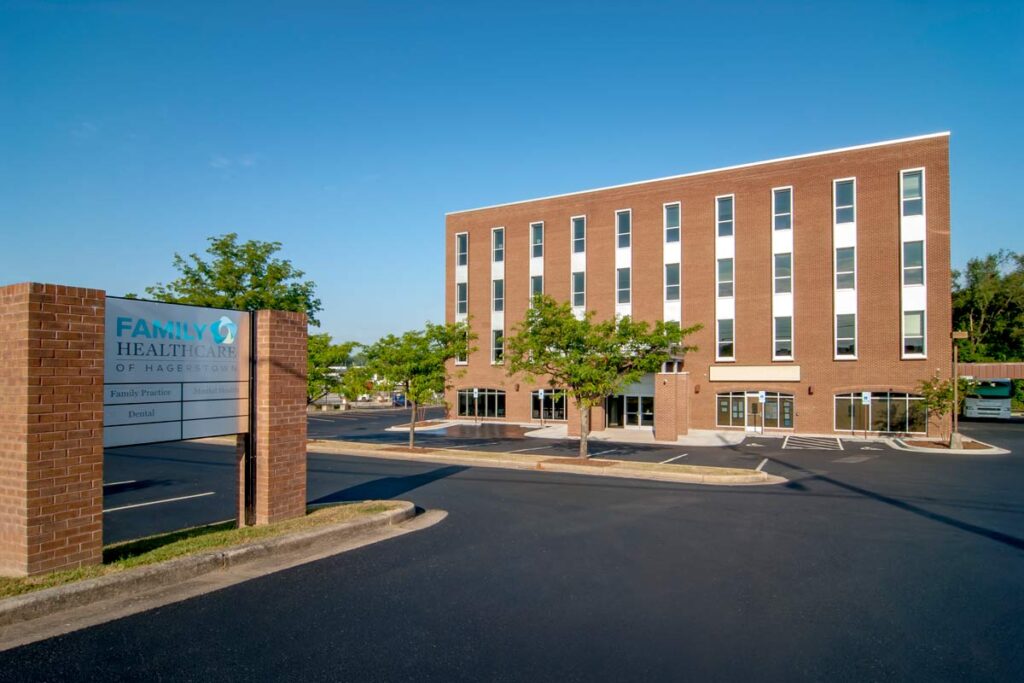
968	445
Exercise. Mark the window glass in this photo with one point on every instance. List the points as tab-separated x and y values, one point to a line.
672	282
499	295
783	209
725	281
723	416
624	225
462	249
498	245
672	223
913	332
783	273
578	288
623	285
486	403
784	336
725	338
913	263
725	216
497	346
536	285
579	235
913	199
845	265
536	240
844	202
846	334
462	297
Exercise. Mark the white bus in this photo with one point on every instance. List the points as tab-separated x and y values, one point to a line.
990	398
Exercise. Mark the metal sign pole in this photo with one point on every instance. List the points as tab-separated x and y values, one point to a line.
249	458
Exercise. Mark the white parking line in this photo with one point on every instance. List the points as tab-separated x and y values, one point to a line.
473	445
524	450
763	463
158	502
665	462
614	450
321	419
118	483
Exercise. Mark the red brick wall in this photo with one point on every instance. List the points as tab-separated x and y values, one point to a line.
51	427
671	411
879	366
280	415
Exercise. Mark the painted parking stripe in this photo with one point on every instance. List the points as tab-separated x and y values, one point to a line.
524	450
665	462
118	483
473	445
763	463
158	502
614	450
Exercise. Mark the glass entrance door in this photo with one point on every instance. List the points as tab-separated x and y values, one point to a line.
754	417
632	411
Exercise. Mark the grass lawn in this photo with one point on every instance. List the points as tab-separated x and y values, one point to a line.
152	549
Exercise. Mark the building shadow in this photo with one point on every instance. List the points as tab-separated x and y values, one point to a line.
388	487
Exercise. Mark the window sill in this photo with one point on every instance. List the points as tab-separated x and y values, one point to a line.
914	356
725	360
783	359
840	358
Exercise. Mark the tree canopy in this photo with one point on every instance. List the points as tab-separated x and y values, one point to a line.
324	358
244	276
589	359
988	303
416	362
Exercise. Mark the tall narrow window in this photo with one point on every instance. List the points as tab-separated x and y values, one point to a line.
913	333
462	249
725	216
725	338
913	263
782	208
671	282
783	273
672	222
498	245
536	240
462	298
844	202
499	295
579	234
846	276
846	334
536	285
579	289
725	277
913	194
784	337
624	226
497	346
622	280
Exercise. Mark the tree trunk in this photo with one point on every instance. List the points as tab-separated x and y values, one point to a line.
584	431
412	426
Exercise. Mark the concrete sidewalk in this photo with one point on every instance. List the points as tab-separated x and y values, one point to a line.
696	437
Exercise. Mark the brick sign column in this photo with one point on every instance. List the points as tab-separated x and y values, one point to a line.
280	415
51	428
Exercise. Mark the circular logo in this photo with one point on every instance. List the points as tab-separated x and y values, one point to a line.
224	330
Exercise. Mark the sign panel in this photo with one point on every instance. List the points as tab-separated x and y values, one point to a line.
761	397
173	372
865	398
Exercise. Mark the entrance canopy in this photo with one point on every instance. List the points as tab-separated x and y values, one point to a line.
992	370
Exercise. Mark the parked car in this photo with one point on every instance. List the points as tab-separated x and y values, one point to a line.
398	400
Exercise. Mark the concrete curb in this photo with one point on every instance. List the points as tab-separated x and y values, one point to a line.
620	470
898	444
50	600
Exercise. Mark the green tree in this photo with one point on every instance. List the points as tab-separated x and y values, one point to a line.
356	381
937	397
417	362
323	359
988	303
244	276
589	360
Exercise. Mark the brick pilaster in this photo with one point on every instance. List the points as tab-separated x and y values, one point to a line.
51	428
280	407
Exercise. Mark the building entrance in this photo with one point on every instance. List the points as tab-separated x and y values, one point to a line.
630	411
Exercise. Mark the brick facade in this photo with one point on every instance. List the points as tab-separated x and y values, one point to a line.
51	428
878	367
280	437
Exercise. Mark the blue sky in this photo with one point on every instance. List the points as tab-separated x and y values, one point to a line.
345	130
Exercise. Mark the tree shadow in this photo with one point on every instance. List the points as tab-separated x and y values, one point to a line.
992	534
388	487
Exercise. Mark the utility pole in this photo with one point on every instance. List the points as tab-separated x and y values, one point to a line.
954	440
